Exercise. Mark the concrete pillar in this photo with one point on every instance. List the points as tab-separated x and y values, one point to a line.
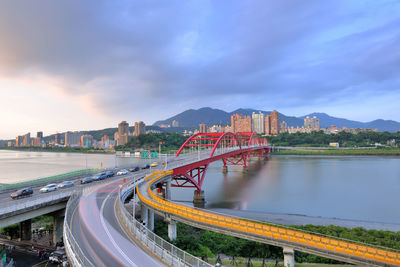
25	229
58	225
288	257
224	169
168	190
144	214
172	230
198	199
150	225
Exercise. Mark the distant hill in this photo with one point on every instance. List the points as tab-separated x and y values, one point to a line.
210	116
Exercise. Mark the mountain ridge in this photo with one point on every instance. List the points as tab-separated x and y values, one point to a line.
211	116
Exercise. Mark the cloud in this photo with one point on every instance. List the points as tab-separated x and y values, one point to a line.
135	58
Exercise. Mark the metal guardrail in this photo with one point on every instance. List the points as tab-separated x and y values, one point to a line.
74	252
35	200
163	249
274	232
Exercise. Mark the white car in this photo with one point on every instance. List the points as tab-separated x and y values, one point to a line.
48	188
122	172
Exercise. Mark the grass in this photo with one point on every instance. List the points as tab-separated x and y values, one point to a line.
343	152
242	262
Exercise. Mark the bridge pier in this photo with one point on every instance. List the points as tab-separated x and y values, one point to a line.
172	230
168	189
58	225
198	198
150	225
144	214
25	229
224	169
288	257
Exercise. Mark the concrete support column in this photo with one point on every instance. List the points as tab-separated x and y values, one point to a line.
150	225
168	190
288	257
145	214
25	229
224	169
58	226
172	230
198	199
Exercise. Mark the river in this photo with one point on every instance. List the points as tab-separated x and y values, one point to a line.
345	187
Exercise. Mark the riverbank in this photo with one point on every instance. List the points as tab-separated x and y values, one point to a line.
341	152
296	219
59	149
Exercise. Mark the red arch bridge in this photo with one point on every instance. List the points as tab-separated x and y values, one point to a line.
231	148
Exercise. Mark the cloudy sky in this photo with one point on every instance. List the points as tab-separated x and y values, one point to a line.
90	64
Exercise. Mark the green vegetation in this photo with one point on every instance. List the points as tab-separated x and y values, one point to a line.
49	179
345	139
150	141
349	152
208	244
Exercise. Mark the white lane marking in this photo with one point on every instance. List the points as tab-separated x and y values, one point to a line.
109	235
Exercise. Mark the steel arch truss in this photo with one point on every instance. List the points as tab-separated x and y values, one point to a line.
193	175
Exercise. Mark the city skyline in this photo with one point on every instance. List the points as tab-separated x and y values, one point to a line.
139	67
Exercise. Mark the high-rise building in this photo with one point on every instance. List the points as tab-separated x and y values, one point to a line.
203	128
72	139
140	128
105	142
240	123
215	129
86	140
39	134
27	140
123	133
175	123
57	139
258	122
275	123
19	140
283	127
268	124
311	123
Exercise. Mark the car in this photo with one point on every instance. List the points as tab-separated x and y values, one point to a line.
147	166
25	192
48	188
100	176
154	164
66	184
134	169
58	257
86	180
122	172
110	173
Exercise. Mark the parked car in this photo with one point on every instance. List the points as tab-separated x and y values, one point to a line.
66	184
48	188
86	180
100	176
22	193
58	257
122	172
134	169
154	164
147	166
110	173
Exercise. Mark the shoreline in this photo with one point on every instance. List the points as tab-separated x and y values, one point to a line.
57	151
340	152
297	219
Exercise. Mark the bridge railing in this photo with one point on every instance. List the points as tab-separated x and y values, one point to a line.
275	232
74	252
14	205
163	249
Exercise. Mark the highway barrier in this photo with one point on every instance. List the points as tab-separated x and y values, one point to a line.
169	253
346	250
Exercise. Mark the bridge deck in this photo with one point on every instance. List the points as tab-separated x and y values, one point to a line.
343	250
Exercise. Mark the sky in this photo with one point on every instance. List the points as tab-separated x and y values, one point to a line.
80	65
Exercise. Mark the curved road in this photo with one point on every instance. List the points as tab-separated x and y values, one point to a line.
99	234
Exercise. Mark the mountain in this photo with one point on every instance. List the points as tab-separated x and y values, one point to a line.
210	116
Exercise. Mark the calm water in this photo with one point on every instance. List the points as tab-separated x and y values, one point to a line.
16	166
356	188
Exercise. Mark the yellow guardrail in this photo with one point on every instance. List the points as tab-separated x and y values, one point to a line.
269	231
